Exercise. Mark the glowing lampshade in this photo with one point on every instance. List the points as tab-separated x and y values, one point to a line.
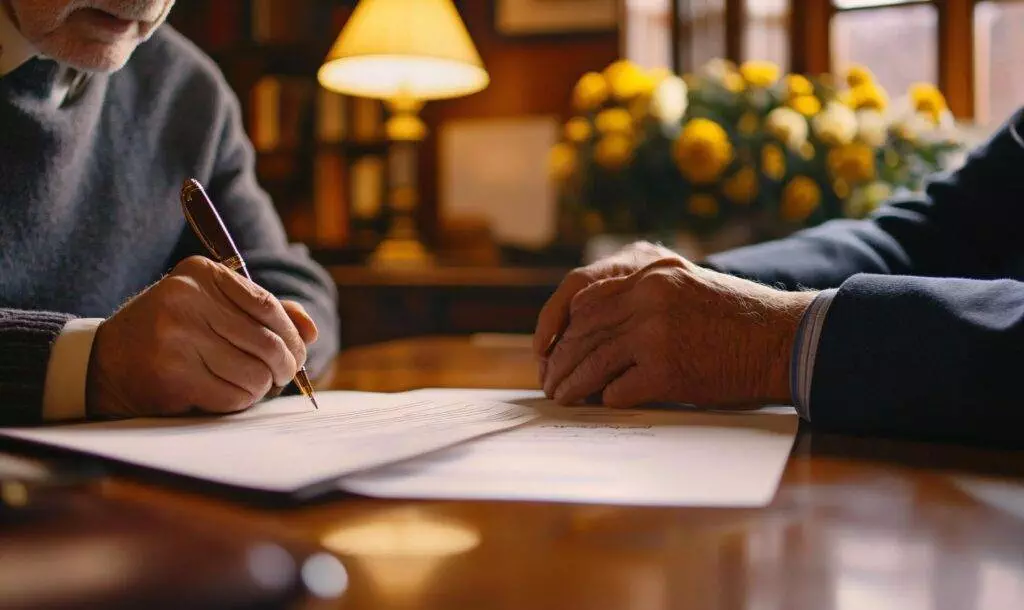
411	49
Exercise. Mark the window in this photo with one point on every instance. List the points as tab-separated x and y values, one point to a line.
648	33
898	43
766	35
998	50
968	47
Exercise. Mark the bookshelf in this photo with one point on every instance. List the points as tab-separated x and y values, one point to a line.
322	157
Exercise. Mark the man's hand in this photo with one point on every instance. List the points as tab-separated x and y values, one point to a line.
204	337
673	332
555	315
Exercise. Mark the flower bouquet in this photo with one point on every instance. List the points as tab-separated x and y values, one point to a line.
649	153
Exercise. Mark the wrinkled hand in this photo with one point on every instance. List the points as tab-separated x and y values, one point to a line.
555	315
672	332
203	337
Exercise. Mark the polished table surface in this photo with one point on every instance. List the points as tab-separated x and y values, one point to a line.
856	523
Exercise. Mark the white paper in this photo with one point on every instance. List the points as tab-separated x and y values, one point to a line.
284	445
671	457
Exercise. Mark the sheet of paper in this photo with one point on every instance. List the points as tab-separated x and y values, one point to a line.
669	457
283	445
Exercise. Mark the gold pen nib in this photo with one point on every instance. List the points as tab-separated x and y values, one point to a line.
313	398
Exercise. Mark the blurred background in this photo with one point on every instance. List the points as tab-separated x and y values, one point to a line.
448	161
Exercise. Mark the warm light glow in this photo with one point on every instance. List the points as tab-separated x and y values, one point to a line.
410	48
402	533
385	76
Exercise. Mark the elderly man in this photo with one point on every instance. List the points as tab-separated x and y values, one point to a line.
103	114
910	323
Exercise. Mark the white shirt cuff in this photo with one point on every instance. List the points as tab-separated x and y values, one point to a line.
67	370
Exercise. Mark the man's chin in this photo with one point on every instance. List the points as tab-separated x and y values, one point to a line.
90	56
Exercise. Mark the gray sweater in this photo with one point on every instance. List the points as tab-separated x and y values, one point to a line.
89	209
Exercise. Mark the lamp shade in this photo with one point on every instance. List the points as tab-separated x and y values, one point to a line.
416	49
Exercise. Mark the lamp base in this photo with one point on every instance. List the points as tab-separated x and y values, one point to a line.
401	252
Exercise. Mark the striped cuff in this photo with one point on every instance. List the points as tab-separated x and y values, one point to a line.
805	349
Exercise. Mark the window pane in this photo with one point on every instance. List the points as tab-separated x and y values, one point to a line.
766	35
898	44
998	48
648	35
703	32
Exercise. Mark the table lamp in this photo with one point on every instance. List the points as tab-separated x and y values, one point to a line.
404	52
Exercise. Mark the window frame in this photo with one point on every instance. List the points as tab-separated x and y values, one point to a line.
810	50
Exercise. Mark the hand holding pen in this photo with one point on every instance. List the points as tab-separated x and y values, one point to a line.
203	337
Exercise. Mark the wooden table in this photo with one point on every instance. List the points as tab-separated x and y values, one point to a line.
857	523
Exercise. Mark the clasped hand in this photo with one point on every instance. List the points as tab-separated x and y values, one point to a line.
647	325
202	338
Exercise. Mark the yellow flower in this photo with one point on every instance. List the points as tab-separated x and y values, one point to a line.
798	85
748	124
928	100
670	100
627	80
760	73
613	151
578	130
841	188
734	82
837	125
614	120
640	107
773	162
806	151
703	206
591	91
742	186
872	128
800	198
717	69
859	75
854	163
868	96
788	126
703	151
807	105
659	74
561	161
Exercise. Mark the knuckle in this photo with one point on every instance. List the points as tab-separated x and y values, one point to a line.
193	265
264	300
655	286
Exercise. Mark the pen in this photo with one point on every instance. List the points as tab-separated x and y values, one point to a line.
202	216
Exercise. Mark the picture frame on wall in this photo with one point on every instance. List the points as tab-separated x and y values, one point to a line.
548	17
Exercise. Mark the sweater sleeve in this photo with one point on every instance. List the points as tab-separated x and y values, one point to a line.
966	224
286	270
26	339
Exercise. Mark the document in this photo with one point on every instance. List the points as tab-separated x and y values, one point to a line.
663	457
284	445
